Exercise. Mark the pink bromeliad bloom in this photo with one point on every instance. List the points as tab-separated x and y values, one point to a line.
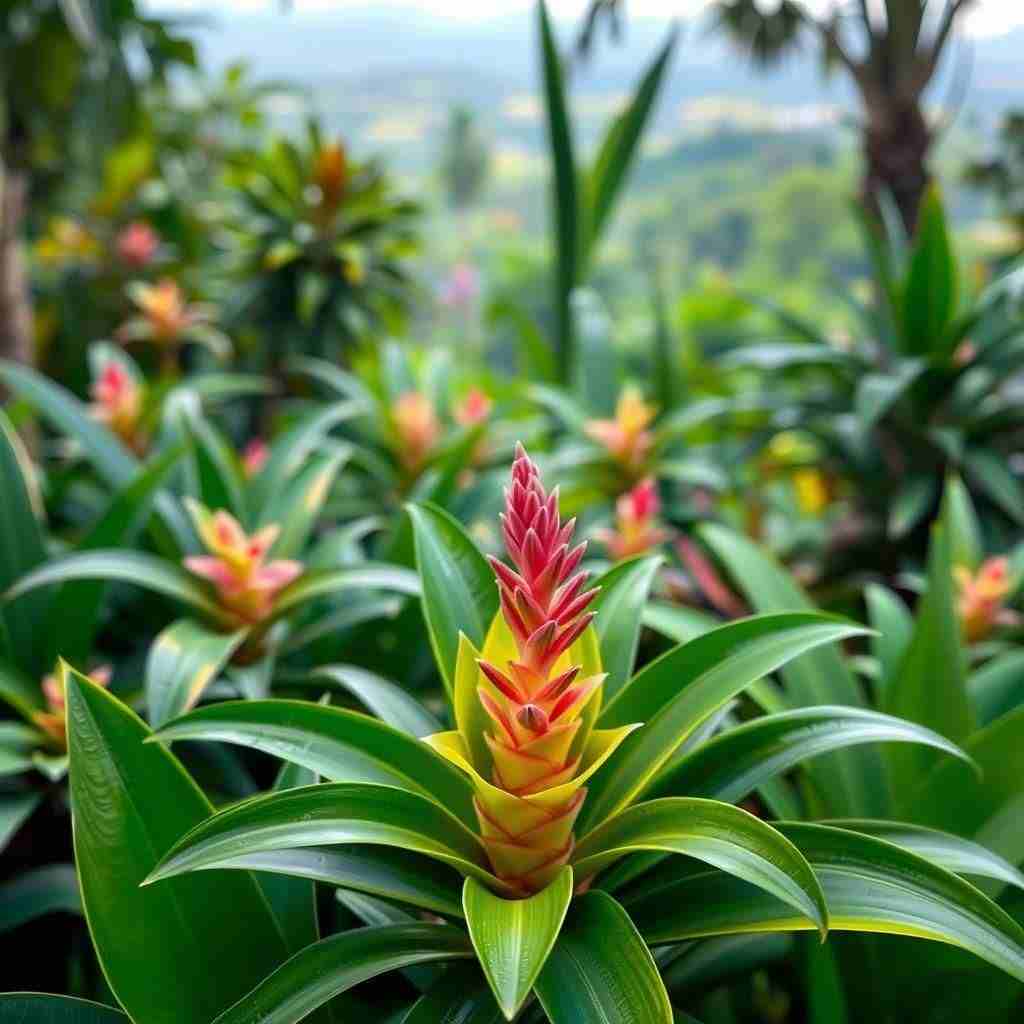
53	721
474	408
636	522
137	244
246	583
255	456
117	401
534	707
982	597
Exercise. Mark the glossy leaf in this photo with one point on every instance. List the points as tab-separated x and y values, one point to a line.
929	685
392	874
136	567
997	688
893	626
340	745
332	814
678	623
716	833
35	1008
326	582
731	766
675	693
15	810
870	886
619	608
22	637
46	890
513	937
459	592
388	701
601	970
849	781
130	801
334	965
182	662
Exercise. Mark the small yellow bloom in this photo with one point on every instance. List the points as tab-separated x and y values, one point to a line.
982	596
626	437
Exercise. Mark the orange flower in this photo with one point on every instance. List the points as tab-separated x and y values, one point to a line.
54	721
330	175
626	437
117	401
982	596
536	710
246	583
164	307
417	428
636	522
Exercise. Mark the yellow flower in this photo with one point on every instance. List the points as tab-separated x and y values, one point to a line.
626	437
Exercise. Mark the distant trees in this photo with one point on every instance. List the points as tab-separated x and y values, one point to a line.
465	161
1002	173
891	50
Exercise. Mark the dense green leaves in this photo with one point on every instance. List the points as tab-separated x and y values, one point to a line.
459	592
716	833
344	746
333	965
674	694
513	938
131	801
34	1008
600	970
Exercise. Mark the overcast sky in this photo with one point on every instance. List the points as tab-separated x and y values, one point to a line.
990	16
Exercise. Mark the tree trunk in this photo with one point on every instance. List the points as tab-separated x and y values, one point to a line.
896	143
15	296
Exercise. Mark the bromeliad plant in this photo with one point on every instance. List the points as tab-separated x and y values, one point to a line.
533	838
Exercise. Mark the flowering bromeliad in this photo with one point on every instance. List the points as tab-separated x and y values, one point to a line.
137	244
626	437
538	685
417	429
117	402
982	597
53	721
636	522
246	583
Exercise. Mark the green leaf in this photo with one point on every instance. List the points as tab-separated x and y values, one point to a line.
35	1008
992	477
600	970
929	685
870	886
114	463
911	503
566	206
344	746
731	766
877	393
136	567
965	539
326	582
15	810
678	623
961	856
513	938
618	150
331	814
75	609
182	662
997	688
893	625
460	996
619	608
716	833
987	809
130	801
675	693
930	292
334	965
392	874
850	781
459	592
41	891
218	480
388	701
22	637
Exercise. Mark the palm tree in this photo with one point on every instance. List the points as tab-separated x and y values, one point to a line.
891	49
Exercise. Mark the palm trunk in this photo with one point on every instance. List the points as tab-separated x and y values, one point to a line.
15	295
896	144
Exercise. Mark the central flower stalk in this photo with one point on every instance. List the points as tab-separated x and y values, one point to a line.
536	698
